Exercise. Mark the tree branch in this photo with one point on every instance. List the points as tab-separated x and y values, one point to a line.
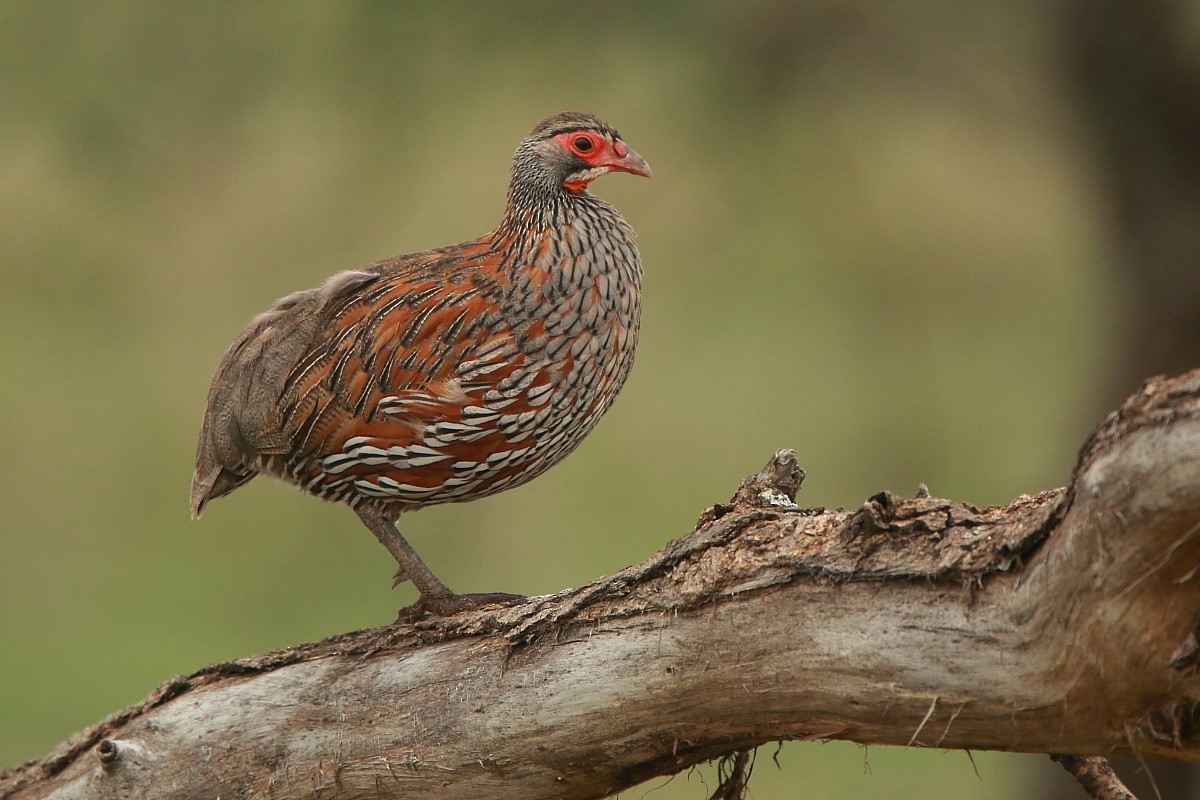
1095	776
1065	622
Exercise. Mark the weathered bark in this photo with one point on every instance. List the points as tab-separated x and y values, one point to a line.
1062	623
1130	69
1096	777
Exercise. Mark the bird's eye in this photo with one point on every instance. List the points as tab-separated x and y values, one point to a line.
582	144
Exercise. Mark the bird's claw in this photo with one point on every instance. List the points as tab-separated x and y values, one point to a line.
450	604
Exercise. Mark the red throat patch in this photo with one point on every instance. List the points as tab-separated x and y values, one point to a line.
575	186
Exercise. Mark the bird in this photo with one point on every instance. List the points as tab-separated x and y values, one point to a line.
446	375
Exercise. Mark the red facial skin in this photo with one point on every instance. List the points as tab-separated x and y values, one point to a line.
597	151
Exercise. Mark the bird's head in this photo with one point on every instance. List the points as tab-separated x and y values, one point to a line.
570	150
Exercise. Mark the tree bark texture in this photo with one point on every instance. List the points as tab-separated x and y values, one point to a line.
1130	69
1065	622
1096	777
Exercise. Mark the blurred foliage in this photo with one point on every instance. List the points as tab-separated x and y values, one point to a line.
873	236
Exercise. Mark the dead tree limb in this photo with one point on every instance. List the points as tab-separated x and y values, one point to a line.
1095	776
1065	622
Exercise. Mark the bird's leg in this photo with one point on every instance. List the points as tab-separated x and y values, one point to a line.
436	597
412	567
400	577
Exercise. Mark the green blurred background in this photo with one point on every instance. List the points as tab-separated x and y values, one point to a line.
878	234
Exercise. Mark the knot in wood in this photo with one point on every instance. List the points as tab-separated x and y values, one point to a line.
108	752
774	486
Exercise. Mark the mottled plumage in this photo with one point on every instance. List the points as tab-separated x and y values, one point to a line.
446	375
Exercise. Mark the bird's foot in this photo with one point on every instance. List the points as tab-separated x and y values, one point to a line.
447	605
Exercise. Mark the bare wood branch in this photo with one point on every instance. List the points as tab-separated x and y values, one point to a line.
1096	777
1065	622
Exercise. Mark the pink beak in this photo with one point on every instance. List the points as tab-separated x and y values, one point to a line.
627	160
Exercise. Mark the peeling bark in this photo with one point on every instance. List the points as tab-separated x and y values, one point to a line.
1096	777
1065	622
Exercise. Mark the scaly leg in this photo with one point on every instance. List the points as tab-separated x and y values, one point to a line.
436	597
